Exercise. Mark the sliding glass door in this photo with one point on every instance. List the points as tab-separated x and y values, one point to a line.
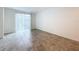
23	22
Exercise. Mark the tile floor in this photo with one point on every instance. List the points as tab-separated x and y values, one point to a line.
37	40
43	41
20	41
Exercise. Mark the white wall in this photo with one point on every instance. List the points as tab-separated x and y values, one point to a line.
1	22
9	20
60	21
33	21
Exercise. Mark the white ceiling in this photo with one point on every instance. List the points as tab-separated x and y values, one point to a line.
30	9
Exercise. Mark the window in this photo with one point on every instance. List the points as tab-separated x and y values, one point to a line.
23	22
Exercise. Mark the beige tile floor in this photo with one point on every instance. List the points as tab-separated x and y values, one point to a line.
43	41
20	41
37	40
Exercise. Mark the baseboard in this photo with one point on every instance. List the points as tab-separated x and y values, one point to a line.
8	33
55	34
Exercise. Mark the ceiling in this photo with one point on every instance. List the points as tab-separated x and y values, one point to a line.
30	9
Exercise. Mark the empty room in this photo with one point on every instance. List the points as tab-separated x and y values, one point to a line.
39	29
